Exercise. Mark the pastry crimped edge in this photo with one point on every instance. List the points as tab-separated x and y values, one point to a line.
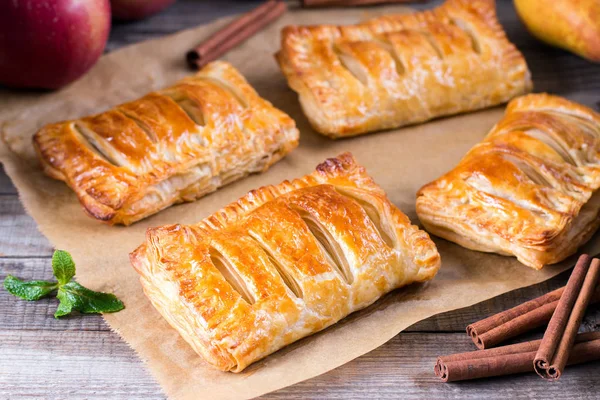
555	243
426	259
317	105
131	188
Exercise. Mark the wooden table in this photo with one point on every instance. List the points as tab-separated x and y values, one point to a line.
79	357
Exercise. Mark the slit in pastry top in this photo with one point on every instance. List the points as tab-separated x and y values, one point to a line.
231	275
291	260
284	271
142	125
536	176
328	245
529	189
352	65
235	92
398	63
172	145
384	230
190	108
397	70
87	140
469	31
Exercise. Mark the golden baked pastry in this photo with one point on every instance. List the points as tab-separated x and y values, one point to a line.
529	189
402	69
170	146
281	263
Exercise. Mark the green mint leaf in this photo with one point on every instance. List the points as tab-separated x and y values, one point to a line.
63	266
65	306
73	296
29	290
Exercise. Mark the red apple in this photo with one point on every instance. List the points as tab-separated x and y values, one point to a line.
50	43
137	9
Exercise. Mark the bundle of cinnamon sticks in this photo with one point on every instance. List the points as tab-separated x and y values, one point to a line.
562	310
235	33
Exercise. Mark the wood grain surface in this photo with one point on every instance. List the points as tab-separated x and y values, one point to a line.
81	358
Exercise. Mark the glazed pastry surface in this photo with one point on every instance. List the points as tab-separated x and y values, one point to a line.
402	69
282	263
170	146
528	190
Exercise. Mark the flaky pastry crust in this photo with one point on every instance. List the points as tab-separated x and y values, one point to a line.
528	190
170	146
402	69
282	263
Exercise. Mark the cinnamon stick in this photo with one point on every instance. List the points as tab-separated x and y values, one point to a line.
512	359
520	319
351	3
559	337
235	33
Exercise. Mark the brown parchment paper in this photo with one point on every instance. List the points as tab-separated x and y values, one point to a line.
400	161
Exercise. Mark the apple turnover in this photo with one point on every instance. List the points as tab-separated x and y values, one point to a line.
282	263
529	189
170	146
402	69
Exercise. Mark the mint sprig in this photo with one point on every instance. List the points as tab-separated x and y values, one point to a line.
72	295
30	290
63	266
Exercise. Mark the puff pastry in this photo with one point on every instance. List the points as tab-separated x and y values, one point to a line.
170	146
530	189
402	69
281	263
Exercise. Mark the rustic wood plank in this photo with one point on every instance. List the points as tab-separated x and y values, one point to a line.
19	236
6	185
71	364
79	364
